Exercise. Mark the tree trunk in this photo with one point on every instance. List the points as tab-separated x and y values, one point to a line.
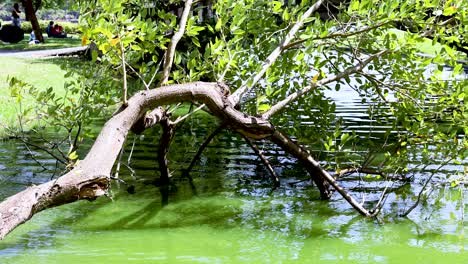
31	17
90	179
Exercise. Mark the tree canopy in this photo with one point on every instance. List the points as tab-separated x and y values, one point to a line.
279	57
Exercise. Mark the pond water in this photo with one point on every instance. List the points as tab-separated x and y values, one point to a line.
231	214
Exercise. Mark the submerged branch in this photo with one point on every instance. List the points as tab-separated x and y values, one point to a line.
316	171
265	161
343	172
202	148
163	149
407	212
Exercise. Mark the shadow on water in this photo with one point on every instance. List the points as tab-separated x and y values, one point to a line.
138	218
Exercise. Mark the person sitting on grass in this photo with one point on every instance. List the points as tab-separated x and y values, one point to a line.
57	32
49	29
32	39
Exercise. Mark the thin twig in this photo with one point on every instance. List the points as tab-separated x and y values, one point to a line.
422	190
131	151
247	85
77	135
117	168
338	34
231	58
43	149
34	158
292	97
383	197
182	118
124	71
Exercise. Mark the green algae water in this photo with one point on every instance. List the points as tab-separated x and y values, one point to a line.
230	213
227	228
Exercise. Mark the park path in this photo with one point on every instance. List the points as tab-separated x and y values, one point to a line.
41	53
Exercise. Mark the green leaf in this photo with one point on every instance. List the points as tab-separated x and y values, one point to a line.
136	47
218	25
300	56
450	51
354	5
73	156
263	107
450	10
196	42
286	15
344	138
277	6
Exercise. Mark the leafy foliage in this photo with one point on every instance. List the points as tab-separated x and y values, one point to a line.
86	97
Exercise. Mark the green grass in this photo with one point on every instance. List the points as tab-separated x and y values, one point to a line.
50	43
43	73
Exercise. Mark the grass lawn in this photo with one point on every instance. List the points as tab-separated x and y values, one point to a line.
43	73
50	43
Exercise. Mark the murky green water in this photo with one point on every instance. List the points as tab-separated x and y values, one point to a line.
227	227
230	214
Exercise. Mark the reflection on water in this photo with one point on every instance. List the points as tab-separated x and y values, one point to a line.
232	215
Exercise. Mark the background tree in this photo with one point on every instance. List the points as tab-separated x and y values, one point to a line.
257	59
31	7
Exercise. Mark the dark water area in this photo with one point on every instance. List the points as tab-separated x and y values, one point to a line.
231	214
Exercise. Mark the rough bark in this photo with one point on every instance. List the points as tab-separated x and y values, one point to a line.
31	17
314	169
90	179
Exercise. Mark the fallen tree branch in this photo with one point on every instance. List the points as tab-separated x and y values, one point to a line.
90	178
265	161
316	171
148	120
